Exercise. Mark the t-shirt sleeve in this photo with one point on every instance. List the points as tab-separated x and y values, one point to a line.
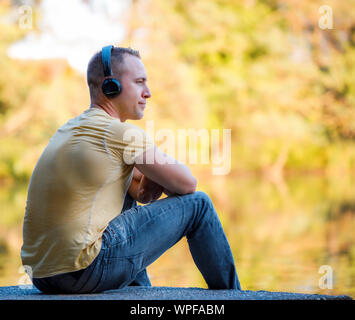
128	141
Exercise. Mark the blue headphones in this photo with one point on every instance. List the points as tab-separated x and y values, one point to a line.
111	87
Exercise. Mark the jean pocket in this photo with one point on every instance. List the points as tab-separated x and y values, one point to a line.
120	271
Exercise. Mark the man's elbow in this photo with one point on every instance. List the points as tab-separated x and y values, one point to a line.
190	186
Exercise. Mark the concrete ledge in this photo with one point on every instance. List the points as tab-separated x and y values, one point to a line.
28	292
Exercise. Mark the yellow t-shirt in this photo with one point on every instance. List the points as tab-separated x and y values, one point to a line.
77	187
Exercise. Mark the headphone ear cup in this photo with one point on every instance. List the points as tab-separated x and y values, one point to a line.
111	87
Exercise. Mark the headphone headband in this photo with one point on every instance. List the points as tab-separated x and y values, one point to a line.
106	60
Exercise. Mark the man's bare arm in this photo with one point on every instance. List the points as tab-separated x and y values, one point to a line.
166	171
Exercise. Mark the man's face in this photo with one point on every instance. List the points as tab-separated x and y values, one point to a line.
132	100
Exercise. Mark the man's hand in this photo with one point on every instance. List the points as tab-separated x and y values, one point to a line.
145	190
148	190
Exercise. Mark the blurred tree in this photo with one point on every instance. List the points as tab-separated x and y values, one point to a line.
266	70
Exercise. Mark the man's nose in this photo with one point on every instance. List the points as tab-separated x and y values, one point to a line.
146	93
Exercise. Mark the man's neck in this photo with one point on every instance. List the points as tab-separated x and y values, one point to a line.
109	109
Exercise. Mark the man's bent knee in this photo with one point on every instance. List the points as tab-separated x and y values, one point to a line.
201	196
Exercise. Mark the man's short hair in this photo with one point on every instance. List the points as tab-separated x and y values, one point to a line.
95	71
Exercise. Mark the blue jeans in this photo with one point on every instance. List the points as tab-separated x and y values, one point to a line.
140	234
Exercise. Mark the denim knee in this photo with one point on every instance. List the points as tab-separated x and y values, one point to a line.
203	197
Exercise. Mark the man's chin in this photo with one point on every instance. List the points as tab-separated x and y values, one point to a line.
137	116
140	115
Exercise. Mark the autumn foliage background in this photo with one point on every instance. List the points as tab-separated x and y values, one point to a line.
264	69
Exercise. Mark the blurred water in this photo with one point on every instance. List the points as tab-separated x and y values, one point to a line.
281	234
